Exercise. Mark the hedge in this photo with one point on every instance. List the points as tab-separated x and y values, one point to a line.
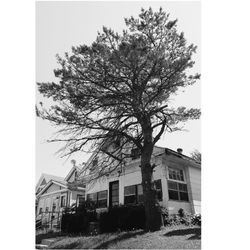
123	218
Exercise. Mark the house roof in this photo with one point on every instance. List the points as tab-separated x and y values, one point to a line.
47	178
74	168
60	183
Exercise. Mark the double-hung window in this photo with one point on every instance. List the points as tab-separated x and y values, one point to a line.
63	201
158	189
134	194
135	153
102	198
130	194
177	188
99	198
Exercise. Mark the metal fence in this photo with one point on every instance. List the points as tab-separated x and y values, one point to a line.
50	220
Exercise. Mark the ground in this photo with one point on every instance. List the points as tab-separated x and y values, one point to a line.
175	237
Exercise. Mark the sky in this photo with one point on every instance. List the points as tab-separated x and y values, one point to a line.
61	25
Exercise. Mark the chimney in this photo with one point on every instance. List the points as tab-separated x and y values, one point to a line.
179	150
73	162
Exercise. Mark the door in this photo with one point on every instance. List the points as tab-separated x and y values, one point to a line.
113	193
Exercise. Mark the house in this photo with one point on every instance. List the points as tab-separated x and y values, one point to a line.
177	179
53	194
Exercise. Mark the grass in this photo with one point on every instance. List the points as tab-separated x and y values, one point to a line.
176	237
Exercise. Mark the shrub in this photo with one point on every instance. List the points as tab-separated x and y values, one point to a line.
176	219
181	213
123	217
77	219
196	220
75	223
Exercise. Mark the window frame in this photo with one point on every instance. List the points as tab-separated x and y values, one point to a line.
131	195
63	198
158	190
139	197
40	210
135	153
97	200
177	169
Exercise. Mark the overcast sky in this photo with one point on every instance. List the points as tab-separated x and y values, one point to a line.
61	25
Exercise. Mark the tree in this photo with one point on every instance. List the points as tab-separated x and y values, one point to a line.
196	155
117	91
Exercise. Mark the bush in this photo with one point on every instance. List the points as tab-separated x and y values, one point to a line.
77	219
181	213
123	218
75	223
196	220
181	217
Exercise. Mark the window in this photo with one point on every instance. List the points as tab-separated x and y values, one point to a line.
40	210
113	193
130	194
102	198
158	189
46	209
134	194
135	153
99	198
139	193
92	197
175	174
53	207
63	201
177	191
80	200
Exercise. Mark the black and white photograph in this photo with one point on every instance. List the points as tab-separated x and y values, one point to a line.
118	144
108	111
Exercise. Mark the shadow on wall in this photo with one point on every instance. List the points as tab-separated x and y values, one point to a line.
196	233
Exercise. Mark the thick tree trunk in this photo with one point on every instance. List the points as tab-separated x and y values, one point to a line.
152	208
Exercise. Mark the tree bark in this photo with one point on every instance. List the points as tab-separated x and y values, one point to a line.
152	208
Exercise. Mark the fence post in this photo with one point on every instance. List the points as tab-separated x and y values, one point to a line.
51	220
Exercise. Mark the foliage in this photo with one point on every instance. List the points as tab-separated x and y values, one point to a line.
123	218
75	223
77	219
181	213
182	217
119	87
196	219
196	155
117	91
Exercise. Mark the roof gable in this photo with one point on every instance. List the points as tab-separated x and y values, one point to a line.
52	186
45	178
72	172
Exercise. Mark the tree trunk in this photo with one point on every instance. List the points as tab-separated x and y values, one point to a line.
152	208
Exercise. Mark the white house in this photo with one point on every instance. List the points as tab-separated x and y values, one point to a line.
177	180
56	194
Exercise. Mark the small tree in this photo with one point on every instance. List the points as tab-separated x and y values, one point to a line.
117	91
196	155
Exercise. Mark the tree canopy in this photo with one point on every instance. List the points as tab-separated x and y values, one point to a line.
121	84
114	95
196	155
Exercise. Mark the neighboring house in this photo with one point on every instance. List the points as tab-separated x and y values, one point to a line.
57	194
44	179
177	181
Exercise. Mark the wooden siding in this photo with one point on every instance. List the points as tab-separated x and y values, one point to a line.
131	175
195	184
52	188
174	206
72	177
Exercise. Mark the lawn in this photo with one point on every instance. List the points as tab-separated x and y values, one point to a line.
175	237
